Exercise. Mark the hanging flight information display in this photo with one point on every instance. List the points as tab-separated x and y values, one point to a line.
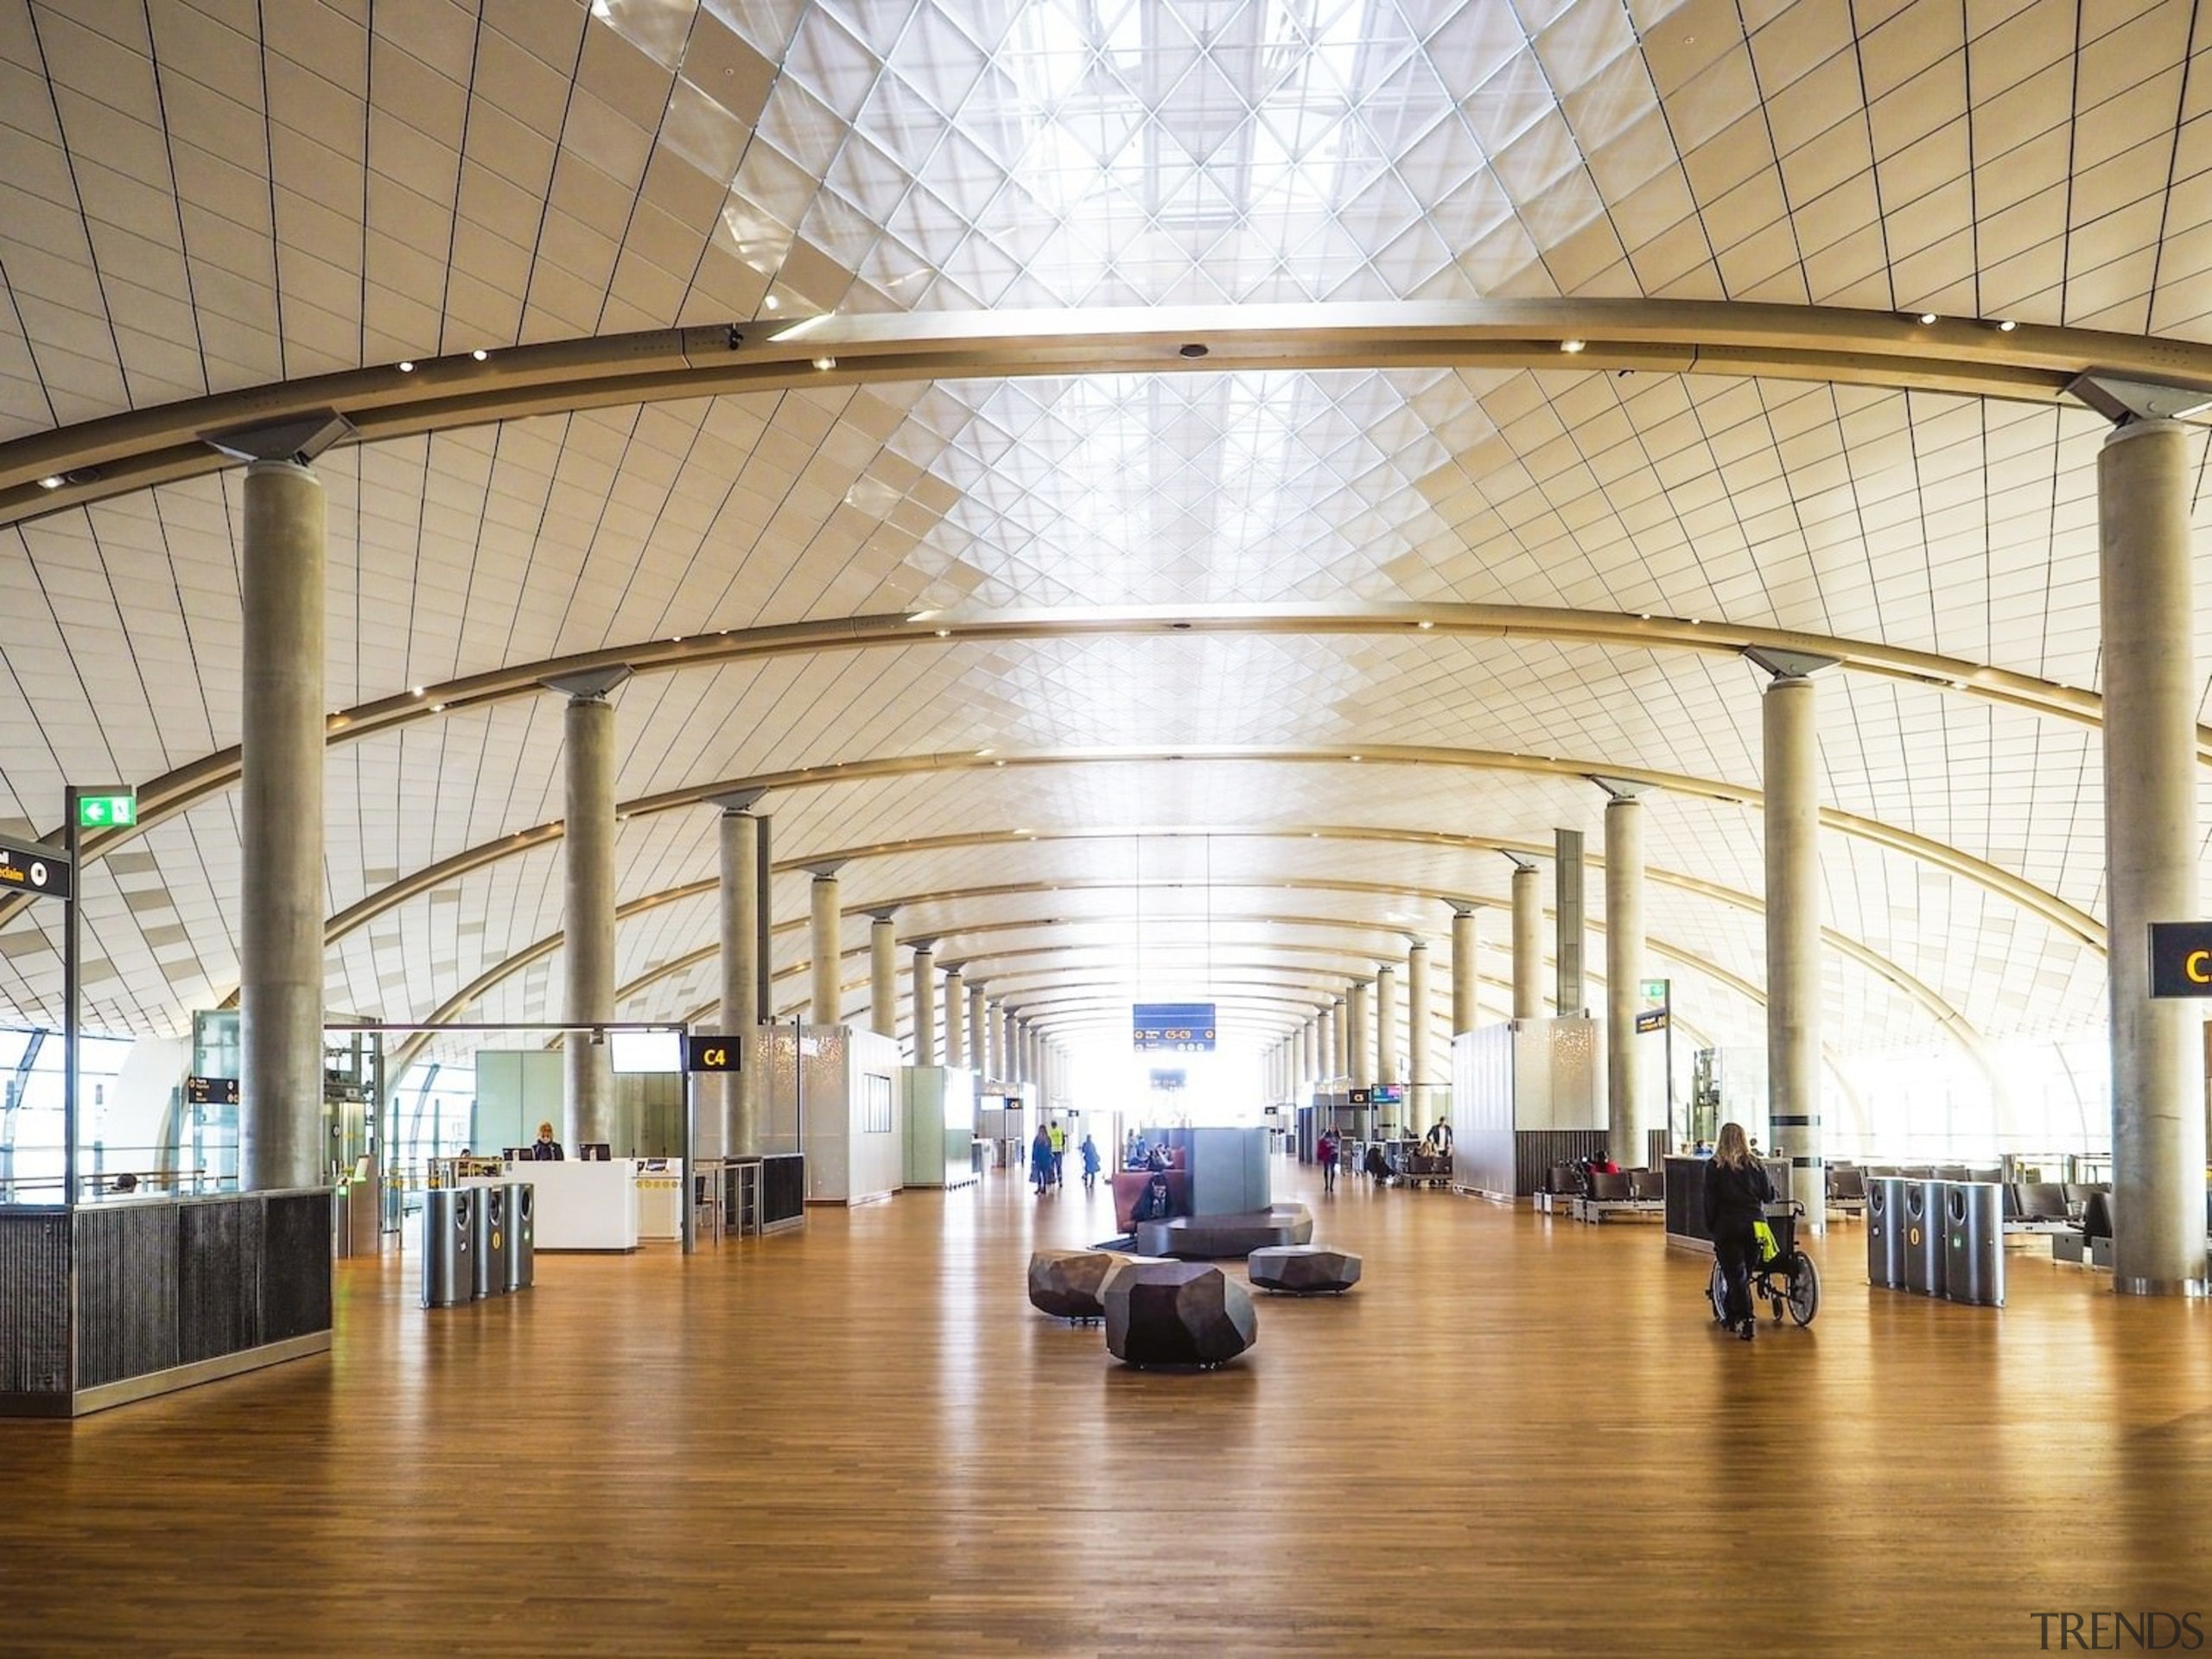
1178	1027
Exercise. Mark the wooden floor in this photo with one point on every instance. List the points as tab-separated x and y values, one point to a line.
1516	1436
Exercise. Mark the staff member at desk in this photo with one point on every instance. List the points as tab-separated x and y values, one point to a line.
545	1149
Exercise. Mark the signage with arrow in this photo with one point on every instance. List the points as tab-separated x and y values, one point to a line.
116	810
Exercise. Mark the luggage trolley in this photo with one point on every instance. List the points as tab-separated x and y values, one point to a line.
1786	1280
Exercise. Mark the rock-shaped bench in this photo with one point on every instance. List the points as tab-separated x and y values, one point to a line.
1302	1270
1066	1283
1177	1313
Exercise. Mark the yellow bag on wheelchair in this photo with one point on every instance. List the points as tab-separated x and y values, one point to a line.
1769	1250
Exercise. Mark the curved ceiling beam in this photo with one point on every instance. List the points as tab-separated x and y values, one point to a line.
180	788
1946	1017
2039	901
94	460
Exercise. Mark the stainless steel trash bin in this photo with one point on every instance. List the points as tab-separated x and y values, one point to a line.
1973	1242
488	1263
1924	1237
1885	1232
448	1246
519	1257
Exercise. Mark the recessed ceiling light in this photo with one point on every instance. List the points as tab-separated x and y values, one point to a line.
825	363
2006	325
479	353
945	633
1927	318
51	481
1192	350
1426	624
407	366
1571	347
418	690
437	708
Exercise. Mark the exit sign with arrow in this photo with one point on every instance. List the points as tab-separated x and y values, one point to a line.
116	811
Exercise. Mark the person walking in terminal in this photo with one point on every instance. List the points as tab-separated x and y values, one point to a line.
545	1149
1089	1151
1133	1151
1736	1193
1040	1160
1326	1155
1059	1137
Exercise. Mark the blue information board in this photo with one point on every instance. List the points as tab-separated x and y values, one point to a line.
1178	1028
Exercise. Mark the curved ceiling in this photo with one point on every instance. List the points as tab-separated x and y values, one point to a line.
960	596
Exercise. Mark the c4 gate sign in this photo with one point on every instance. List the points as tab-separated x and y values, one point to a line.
711	1054
2181	958
26	867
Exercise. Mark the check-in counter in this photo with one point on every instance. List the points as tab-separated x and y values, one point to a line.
581	1205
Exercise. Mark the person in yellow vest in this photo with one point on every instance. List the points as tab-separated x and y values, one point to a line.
1059	1137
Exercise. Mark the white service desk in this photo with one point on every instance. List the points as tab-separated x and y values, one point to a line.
660	1198
579	1205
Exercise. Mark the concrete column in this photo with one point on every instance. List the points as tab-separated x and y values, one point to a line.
924	1006
1359	1035
1465	1007
955	1019
741	897
978	1017
1793	937
1313	1066
588	950
1528	945
1418	1068
994	1044
1386	1025
280	825
1334	1019
825	941
1628	1114
882	977
1572	996
2145	477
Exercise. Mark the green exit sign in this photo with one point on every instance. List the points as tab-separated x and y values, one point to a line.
107	811
1655	990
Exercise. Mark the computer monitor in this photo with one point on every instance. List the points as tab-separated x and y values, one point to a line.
595	1152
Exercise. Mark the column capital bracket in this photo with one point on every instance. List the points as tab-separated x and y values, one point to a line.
737	802
1517	861
1788	664
2125	402
826	871
1619	788
925	947
883	916
590	686
298	440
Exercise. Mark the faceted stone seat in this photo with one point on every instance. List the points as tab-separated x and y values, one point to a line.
1177	1313
1066	1283
1237	1233
1302	1270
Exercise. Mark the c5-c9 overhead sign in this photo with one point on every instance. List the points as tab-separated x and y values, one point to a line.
27	866
1176	1027
2181	959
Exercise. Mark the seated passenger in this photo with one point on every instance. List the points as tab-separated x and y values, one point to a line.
1155	1202
545	1149
1157	1158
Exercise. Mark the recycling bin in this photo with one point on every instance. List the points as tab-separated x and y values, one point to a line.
1924	1260
1885	1252
488	1263
518	1257
1973	1242
448	1246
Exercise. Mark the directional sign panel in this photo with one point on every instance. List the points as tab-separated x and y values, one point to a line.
1651	1020
1179	1027
117	811
2181	958
711	1054
211	1091
27	866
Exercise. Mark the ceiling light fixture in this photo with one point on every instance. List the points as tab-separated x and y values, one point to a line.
1927	318
1193	350
772	304
1571	347
1426	624
2006	325
479	353
945	633
416	691
51	481
825	364
407	366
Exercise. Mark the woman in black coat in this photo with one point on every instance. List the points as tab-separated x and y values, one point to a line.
1737	1192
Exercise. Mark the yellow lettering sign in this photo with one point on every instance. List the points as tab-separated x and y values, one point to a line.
2194	966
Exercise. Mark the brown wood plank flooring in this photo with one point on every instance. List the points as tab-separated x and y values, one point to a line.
1516	1436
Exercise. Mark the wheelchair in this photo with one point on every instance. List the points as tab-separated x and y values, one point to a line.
1785	1280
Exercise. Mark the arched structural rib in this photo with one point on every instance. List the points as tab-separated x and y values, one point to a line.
97	459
